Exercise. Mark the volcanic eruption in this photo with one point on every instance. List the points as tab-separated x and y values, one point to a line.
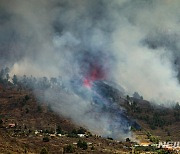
95	87
95	73
97	47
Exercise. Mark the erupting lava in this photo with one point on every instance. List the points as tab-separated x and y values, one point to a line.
87	83
96	73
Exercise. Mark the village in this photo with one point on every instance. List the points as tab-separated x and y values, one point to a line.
15	130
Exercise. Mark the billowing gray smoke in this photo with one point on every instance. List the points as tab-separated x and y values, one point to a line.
134	43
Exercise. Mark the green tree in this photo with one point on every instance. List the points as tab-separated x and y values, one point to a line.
7	77
59	130
177	106
53	80
14	79
1	122
177	115
128	98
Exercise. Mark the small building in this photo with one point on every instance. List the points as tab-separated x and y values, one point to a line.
52	135
81	135
145	144
11	125
36	132
59	135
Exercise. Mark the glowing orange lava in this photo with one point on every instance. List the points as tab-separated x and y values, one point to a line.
95	74
87	83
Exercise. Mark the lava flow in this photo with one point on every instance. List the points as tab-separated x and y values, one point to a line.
96	73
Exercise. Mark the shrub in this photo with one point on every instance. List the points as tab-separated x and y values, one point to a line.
81	130
39	109
44	151
1	122
82	144
109	138
154	139
45	139
69	149
74	131
92	148
73	134
27	110
26	97
133	128
128	140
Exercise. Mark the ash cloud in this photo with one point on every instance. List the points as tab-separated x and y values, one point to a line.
134	42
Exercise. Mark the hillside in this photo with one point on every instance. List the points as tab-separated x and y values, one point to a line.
28	125
158	120
22	115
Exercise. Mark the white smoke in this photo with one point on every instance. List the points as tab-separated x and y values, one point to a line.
148	70
136	42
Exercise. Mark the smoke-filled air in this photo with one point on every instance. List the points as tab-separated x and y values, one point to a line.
131	45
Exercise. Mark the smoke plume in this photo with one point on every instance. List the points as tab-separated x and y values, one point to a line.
134	43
